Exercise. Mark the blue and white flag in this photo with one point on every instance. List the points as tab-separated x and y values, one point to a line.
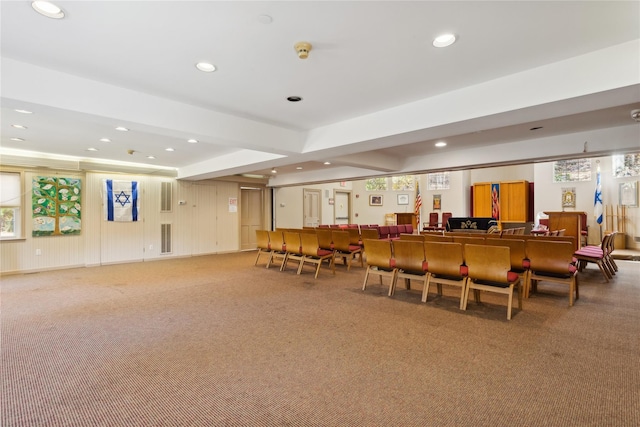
597	203
121	200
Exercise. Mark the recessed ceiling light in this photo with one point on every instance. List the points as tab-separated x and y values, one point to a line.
17	139
192	141
122	129
169	149
92	149
151	157
47	9
105	140
294	99
444	40
299	168
206	67
19	126
327	163
24	111
441	144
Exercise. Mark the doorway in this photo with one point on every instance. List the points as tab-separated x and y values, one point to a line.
312	207
342	207
251	216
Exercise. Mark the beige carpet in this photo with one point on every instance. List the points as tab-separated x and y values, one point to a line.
215	341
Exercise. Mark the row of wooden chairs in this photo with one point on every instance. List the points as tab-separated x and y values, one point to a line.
496	265
308	246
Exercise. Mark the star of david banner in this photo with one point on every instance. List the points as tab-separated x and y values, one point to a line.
121	200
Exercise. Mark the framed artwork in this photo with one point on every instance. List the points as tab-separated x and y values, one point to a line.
56	206
569	197
375	200
437	202
628	192
403	199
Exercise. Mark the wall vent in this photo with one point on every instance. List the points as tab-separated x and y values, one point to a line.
165	239
165	196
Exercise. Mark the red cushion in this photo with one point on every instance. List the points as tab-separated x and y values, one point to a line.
392	263
354	248
324	252
512	276
464	270
572	268
526	264
425	266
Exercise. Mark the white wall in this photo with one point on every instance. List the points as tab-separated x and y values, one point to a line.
103	242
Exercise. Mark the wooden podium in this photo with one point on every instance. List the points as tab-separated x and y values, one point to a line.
407	218
570	221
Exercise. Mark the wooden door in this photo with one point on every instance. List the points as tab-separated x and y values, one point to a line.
311	208
205	219
251	216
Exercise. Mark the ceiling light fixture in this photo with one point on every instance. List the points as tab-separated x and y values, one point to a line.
24	111
536	128
17	139
265	19
302	49
441	144
151	157
274	170
122	129
192	141
105	140
635	115
169	149
294	99
299	168
19	126
92	149
47	9
327	163
444	40
206	67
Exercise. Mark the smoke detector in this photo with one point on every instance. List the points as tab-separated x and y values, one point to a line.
635	115
302	48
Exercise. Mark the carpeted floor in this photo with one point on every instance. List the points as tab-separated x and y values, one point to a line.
216	341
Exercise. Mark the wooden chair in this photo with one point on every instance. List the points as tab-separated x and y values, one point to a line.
608	255
553	262
312	253
412	237
379	260
445	266
354	236
344	249
278	248
410	262
489	270
597	256
262	238
519	261
293	249
325	238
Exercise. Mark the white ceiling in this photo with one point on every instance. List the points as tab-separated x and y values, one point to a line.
376	93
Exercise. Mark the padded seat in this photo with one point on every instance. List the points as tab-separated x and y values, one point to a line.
344	249
312	253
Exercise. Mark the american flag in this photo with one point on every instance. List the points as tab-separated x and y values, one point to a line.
418	204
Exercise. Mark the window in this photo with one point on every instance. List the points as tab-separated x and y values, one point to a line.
438	181
10	205
403	183
573	170
376	184
626	165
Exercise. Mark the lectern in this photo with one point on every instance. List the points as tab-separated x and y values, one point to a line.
571	222
407	218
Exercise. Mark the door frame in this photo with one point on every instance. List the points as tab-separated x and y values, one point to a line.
349	204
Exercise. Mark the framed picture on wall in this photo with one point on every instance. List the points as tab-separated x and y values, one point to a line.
569	197
628	192
437	202
403	199
375	200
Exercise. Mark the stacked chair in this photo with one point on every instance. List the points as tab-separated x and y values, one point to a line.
599	255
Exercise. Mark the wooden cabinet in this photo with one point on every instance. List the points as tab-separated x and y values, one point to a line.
513	196
514	201
482	199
